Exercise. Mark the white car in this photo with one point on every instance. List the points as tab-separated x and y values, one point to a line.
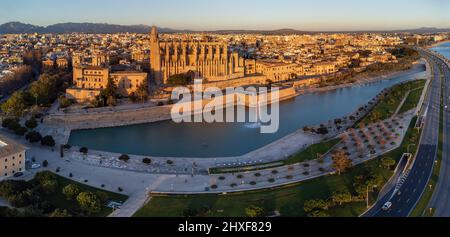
36	166
387	206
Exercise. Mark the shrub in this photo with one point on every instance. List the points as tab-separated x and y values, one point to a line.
147	161
33	136
271	180
45	163
253	183
10	123
257	175
48	141
20	131
214	186
71	191
84	150
31	123
124	158
89	202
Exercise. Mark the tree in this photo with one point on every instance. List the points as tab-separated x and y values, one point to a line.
318	213
60	213
388	162
44	90
124	158
89	202
342	197
10	123
254	211
64	102
71	191
49	185
15	105
322	130
147	161
341	162
84	150
20	131
142	91
181	79
48	141
109	94
33	136
315	204
31	123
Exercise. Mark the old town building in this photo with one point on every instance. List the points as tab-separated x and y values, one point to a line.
209	60
12	157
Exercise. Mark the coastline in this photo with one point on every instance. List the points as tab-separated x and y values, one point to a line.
60	126
361	81
437	44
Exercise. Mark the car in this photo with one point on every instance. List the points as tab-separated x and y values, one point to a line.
35	166
387	206
18	174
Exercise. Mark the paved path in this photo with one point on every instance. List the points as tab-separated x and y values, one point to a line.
401	103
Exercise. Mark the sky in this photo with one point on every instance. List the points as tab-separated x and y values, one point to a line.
236	14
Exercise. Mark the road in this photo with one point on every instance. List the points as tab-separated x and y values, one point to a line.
440	201
405	199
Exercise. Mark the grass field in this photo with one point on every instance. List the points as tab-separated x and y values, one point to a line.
288	200
412	100
59	200
312	152
389	104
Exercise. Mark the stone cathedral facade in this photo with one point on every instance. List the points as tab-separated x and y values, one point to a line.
211	61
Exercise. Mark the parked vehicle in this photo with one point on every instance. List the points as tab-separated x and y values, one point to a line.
18	174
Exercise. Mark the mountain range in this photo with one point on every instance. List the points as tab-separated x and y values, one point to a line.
103	28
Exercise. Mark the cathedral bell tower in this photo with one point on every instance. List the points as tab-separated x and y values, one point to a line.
155	57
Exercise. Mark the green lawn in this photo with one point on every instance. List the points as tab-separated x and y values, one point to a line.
412	99
288	200
312	152
45	201
389	104
59	200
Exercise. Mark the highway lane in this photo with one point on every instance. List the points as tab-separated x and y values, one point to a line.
404	201
440	201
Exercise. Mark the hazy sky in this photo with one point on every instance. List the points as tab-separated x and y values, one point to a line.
236	14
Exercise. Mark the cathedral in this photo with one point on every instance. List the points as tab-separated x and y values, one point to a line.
211	61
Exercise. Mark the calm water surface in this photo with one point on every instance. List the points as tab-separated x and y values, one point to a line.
231	139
